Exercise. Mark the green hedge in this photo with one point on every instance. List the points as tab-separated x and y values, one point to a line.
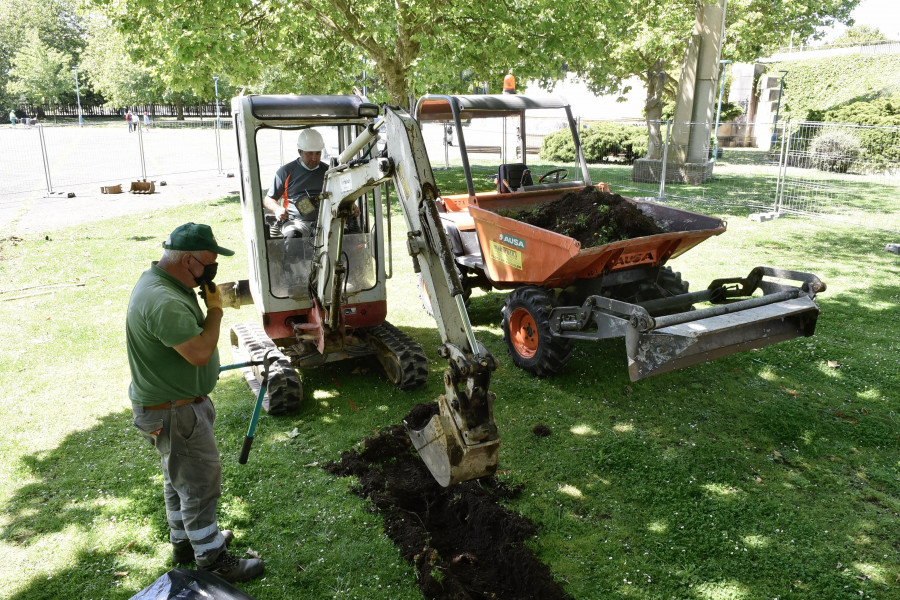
820	85
601	142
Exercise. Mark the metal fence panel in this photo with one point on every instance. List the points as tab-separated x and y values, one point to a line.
854	179
91	155
849	173
21	162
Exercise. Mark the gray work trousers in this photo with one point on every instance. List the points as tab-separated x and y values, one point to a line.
192	473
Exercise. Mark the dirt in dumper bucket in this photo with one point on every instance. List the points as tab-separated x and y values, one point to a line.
592	217
462	543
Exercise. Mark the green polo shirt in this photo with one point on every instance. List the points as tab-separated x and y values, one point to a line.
162	313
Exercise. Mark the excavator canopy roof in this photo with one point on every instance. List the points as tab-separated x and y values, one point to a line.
439	107
290	106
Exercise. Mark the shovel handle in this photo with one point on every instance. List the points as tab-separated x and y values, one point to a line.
248	439
245	449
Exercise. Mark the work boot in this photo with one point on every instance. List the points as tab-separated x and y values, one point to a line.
233	569
183	552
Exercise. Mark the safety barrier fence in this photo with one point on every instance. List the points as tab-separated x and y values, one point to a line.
843	172
849	173
55	159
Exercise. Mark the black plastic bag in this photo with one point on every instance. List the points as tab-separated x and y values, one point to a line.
185	584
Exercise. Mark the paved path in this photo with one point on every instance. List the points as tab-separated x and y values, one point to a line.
33	213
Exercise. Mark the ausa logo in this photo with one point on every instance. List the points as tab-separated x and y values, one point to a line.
512	241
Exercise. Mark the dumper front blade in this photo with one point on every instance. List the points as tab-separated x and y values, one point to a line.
690	341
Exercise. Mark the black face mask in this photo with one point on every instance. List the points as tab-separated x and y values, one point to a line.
209	273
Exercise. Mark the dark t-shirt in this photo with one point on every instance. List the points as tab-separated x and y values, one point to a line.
302	180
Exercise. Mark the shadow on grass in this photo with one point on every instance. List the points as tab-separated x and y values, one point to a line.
79	486
105	481
235	198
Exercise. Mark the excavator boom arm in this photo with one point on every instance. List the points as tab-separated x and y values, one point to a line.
460	442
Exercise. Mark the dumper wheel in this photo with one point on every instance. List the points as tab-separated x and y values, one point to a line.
526	330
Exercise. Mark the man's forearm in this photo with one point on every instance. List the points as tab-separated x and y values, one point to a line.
199	349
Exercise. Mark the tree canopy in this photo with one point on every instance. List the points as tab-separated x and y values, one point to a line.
860	34
147	50
319	46
35	35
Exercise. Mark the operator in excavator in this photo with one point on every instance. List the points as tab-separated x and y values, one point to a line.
291	198
293	195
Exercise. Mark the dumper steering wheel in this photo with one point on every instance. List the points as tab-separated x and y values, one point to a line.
560	175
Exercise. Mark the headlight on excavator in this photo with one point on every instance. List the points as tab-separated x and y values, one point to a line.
368	110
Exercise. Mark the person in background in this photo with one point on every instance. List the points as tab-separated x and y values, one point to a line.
12	117
128	119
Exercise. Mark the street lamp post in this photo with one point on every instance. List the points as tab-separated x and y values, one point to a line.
719	108
218	127
78	96
218	120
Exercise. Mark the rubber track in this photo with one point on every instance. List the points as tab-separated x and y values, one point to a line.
412	359
284	391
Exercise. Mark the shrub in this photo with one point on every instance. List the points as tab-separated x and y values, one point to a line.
558	146
834	151
601	142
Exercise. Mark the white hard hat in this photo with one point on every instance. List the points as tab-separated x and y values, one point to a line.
310	140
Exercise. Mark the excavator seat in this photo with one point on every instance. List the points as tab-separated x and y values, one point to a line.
512	177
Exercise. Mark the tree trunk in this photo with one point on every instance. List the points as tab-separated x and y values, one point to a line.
179	109
656	82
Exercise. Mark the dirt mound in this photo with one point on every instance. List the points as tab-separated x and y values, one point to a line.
462	543
592	217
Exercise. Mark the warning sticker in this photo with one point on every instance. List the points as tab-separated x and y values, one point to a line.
506	255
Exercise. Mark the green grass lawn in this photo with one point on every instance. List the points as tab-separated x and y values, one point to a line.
768	474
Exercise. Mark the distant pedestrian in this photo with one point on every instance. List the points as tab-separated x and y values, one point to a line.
135	121
128	119
12	117
146	119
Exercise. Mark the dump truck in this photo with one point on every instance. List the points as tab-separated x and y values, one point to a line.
560	292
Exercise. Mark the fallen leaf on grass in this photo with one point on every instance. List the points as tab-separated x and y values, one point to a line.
252	552
845	417
833	364
353	406
791	392
121	573
293	433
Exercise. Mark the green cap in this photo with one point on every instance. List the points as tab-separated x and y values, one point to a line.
193	236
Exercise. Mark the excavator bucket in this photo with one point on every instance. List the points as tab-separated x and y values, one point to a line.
449	459
142	187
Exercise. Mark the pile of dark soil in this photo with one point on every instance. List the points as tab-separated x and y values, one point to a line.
592	217
462	543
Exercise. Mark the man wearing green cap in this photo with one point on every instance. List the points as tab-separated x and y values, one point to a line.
174	366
